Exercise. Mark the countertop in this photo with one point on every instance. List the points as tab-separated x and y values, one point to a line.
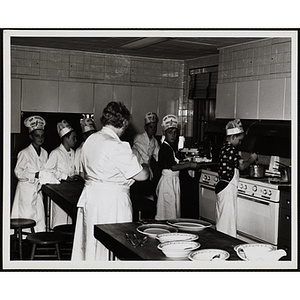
113	237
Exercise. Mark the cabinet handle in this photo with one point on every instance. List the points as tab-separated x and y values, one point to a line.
288	217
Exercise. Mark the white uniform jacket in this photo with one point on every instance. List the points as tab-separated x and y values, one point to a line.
108	164
60	165
28	201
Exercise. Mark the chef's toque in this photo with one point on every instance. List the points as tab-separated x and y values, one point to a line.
35	122
234	127
63	128
150	117
87	123
169	121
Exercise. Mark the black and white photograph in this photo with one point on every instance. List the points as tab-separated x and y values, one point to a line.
150	150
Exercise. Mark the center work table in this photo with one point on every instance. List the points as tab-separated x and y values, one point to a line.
112	236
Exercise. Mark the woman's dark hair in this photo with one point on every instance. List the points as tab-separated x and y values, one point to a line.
114	114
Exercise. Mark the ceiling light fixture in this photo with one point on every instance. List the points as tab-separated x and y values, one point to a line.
143	42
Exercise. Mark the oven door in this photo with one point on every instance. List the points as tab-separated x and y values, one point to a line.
207	203
257	219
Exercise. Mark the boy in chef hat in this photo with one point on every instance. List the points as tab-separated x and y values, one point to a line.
168	188
87	127
28	201
146	147
61	166
230	162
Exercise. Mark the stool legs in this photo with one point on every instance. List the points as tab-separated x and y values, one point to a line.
34	248
32	251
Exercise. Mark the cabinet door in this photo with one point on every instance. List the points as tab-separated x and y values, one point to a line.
39	95
247	100
16	105
271	99
144	99
225	101
122	93
168	103
287	100
103	94
75	97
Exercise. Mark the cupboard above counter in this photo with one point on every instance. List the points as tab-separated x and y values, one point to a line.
262	99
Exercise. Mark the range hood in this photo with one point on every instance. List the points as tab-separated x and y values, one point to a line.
268	138
262	136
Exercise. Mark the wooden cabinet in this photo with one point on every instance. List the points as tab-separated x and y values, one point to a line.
75	97
226	100
247	100
16	105
144	99
284	230
168	102
287	100
271	99
39	95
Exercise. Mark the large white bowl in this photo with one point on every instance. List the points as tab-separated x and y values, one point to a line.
152	230
189	224
178	249
209	255
176	236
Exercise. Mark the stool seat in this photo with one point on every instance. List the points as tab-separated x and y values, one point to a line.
67	229
21	223
45	238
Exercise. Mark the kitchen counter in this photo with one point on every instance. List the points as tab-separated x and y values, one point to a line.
66	195
113	237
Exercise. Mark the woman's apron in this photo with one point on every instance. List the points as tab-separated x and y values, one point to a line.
99	203
226	207
168	194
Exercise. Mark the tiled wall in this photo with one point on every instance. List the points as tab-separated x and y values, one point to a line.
265	59
66	65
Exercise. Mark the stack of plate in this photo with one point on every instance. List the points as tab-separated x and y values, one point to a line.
152	230
176	236
178	249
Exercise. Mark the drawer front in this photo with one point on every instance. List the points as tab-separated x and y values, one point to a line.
285	224
285	200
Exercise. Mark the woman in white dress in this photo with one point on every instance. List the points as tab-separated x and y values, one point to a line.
28	201
110	168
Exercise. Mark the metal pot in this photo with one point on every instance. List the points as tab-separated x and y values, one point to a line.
256	171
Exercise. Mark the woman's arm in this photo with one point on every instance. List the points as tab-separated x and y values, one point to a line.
143	174
243	164
184	165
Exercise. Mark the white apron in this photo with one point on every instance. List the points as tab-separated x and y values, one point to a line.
99	203
226	207
168	194
28	201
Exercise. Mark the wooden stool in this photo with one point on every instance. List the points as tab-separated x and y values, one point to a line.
45	238
17	225
68	231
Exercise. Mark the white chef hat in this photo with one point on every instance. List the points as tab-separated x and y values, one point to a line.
35	122
87	123
234	127
63	128
169	121
150	117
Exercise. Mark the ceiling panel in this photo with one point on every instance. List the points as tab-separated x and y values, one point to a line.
181	48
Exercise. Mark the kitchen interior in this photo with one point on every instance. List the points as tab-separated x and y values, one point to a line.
205	81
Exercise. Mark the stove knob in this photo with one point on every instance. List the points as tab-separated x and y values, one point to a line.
245	186
241	186
270	192
265	192
208	177
204	177
216	178
254	188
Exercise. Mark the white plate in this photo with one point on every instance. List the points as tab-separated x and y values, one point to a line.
178	248
258	248
152	230
177	236
189	224
208	254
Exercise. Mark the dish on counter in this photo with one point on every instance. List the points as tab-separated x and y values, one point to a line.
251	251
176	236
179	249
152	230
209	255
189	224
